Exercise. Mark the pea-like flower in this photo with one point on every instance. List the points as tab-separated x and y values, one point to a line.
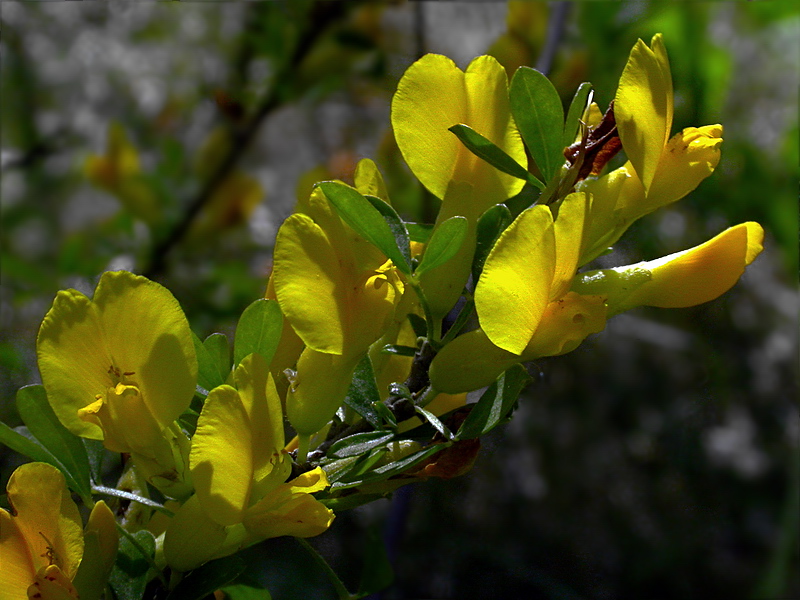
121	368
42	544
239	468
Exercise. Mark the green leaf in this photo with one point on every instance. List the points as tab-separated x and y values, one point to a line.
494	155
33	449
490	225
418	324
208	375
365	219
419	232
393	468
462	319
218	349
363	393
495	403
434	420
537	110
377	572
399	350
396	226
41	420
359	443
258	331
208	578
129	576
575	112
242	591
446	240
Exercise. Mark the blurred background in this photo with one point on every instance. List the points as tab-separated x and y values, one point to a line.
658	461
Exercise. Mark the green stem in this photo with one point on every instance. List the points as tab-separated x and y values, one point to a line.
341	590
107	491
434	325
303	442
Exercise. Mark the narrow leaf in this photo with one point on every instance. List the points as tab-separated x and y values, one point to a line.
396	226
490	225
365	219
419	232
399	350
42	422
446	240
537	110
359	443
495	404
129	576
258	330
493	154
363	393
575	112
434	420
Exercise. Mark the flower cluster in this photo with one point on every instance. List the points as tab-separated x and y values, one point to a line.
348	345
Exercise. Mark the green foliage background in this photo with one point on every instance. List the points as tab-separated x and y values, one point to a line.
660	460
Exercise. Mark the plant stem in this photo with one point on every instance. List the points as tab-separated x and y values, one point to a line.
341	590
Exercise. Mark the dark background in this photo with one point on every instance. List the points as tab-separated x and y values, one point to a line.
658	461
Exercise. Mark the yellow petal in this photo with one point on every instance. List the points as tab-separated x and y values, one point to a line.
47	522
701	273
643	107
308	280
569	233
565	324
689	157
369	181
192	537
290	509
514	287
18	567
101	541
469	362
319	389
431	97
51	583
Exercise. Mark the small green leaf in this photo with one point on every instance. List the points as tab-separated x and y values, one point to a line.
396	226
434	420
129	576
363	393
446	240
20	440
420	232
399	350
359	443
393	468
208	578
42	422
218	349
537	110
495	403
365	219
575	112
208	375
490	225
494	155
258	331
418	324
463	317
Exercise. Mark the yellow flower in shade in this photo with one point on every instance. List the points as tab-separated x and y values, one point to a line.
239	469
432	96
525	307
339	293
120	367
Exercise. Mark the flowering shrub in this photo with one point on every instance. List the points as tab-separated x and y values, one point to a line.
372	333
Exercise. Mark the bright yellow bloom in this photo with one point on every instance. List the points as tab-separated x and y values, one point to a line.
432	96
660	170
239	470
525	309
42	544
339	293
120	367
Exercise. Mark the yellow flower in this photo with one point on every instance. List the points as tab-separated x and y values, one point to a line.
660	169
120	367
339	293
239	470
524	305
432	96
42	544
